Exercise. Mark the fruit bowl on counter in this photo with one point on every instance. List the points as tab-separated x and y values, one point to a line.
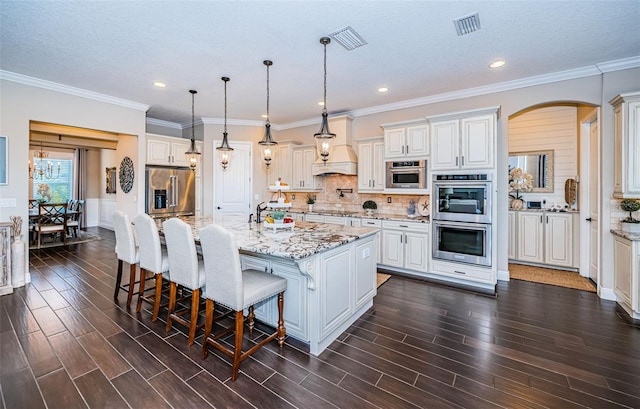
275	224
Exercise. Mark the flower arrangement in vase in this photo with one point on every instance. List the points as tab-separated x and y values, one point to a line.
630	224
369	206
519	181
411	210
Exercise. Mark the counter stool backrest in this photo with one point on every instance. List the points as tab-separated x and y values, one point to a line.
222	267
181	249
149	243
126	246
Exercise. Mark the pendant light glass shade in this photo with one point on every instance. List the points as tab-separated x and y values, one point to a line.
267	141
193	156
324	137
224	150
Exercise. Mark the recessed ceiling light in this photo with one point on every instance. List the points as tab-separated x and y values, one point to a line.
383	89
159	84
321	103
497	63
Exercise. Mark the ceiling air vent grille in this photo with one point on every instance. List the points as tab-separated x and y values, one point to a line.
467	25
348	38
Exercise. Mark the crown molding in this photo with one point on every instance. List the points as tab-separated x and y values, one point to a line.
65	89
165	124
623	64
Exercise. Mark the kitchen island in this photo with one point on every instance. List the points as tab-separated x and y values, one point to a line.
330	272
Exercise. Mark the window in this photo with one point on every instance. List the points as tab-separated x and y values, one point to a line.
58	190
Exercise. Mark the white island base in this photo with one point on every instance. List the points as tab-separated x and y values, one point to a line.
326	292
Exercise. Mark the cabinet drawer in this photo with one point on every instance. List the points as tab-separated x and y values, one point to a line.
463	271
334	220
406	226
371	223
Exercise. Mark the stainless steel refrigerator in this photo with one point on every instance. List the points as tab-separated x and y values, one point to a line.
170	191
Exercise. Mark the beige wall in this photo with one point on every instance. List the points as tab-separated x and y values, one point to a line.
95	174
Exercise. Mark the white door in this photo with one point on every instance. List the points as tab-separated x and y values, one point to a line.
233	186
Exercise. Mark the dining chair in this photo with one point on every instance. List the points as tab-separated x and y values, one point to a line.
52	220
237	289
153	259
127	252
185	270
73	221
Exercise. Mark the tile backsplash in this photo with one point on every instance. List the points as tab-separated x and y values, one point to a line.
329	198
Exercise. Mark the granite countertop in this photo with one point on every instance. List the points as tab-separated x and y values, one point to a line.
626	235
364	215
305	240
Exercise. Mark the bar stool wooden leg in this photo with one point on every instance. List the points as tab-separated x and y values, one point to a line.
208	325
282	332
158	297
193	323
237	352
250	317
172	305
132	283
143	275
118	280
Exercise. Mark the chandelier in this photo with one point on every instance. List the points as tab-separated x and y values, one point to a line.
192	154
324	137
224	150
267	141
41	170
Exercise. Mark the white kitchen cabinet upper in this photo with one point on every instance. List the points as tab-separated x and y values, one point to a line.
463	141
282	164
169	151
406	140
371	165
626	175
302	174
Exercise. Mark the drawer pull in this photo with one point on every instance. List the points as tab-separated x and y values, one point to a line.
459	272
402	225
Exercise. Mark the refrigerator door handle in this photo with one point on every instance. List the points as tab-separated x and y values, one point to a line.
172	191
176	187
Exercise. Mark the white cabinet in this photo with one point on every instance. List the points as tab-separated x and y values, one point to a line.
626	175
282	163
295	297
545	238
406	140
165	150
463	143
302	175
626	256
375	223
371	165
405	245
312	217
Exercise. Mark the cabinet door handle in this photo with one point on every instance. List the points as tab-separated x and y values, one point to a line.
266	270
407	149
540	219
456	161
463	161
547	219
402	149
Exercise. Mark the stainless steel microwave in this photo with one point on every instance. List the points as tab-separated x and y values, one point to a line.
406	174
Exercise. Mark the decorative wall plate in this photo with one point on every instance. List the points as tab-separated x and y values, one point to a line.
126	174
423	206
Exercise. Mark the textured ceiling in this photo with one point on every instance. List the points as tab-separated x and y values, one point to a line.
119	48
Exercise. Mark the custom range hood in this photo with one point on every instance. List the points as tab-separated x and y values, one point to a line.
342	159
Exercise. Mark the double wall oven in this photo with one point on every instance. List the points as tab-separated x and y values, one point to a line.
462	218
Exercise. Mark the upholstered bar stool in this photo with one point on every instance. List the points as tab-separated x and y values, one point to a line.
229	285
185	270
127	252
152	259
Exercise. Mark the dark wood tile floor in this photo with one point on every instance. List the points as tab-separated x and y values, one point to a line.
64	343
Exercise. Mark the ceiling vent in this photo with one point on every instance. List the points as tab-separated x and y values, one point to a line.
348	38
467	25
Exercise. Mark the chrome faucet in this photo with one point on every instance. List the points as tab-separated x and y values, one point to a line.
260	210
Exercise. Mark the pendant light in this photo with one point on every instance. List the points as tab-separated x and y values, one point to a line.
41	170
324	137
224	150
267	142
192	154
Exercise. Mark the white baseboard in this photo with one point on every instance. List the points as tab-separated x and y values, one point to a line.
607	294
503	275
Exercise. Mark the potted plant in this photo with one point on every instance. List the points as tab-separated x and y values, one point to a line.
369	206
310	201
630	224
519	181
